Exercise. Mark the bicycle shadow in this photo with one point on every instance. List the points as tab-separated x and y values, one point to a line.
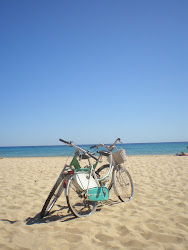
57	214
52	216
9	221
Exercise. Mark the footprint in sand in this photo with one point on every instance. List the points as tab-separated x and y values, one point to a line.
103	238
75	231
122	230
162	237
71	237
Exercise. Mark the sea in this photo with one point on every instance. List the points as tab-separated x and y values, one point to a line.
162	148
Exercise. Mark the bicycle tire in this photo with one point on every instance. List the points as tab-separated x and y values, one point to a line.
78	203
101	172
52	197
122	183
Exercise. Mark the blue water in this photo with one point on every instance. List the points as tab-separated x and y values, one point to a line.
168	148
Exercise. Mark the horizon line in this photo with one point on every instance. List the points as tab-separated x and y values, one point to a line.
94	144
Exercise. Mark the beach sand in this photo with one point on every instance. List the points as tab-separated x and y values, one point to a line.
156	217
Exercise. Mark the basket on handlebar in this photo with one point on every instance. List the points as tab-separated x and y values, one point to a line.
119	156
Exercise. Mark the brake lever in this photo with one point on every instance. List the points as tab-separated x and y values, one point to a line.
120	141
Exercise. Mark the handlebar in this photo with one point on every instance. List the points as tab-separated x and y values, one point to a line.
110	147
98	145
80	149
66	142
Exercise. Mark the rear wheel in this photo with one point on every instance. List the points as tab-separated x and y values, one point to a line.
78	202
101	172
122	183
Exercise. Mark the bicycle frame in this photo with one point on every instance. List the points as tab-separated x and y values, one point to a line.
91	169
83	187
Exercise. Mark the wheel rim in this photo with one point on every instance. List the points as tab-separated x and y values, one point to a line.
51	204
54	198
79	204
123	184
101	172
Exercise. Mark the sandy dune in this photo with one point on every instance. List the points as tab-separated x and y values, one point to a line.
156	218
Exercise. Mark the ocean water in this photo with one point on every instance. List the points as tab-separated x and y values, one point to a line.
165	148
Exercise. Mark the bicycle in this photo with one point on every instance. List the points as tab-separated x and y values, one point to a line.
85	186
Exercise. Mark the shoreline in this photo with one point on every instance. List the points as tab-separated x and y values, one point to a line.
156	217
28	157
91	144
63	150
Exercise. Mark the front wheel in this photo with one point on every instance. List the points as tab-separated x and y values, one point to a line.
53	196
122	183
77	201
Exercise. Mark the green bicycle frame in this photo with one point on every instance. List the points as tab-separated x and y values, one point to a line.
77	166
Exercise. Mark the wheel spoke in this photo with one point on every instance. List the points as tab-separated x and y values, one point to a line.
77	202
123	185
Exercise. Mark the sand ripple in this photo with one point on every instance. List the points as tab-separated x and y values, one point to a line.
156	218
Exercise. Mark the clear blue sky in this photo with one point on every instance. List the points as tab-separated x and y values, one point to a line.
92	71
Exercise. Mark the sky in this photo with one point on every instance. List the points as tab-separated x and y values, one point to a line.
92	71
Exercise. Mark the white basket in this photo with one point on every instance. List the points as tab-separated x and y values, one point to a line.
119	156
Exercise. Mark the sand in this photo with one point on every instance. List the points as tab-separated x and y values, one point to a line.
156	217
